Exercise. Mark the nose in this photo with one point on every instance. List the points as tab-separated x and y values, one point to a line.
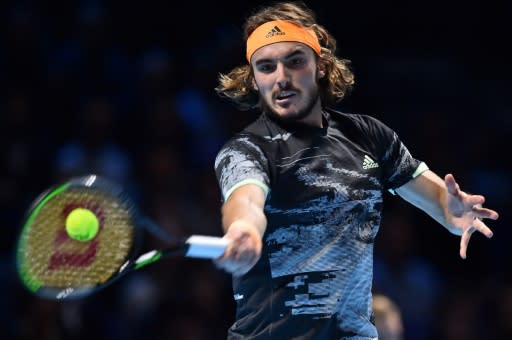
282	77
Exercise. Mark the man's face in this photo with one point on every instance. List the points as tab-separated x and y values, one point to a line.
286	76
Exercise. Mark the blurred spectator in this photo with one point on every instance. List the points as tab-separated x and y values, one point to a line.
406	277
93	145
458	316
388	318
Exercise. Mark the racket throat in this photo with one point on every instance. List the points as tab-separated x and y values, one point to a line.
144	260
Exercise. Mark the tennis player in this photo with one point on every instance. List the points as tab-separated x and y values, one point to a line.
303	187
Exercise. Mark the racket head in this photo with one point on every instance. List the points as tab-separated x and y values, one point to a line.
51	264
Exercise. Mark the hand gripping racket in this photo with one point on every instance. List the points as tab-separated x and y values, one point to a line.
83	234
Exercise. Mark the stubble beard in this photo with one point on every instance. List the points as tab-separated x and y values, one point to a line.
298	116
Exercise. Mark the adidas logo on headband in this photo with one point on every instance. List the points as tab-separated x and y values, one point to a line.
274	31
280	30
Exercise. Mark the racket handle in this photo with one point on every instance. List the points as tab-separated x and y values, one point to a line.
205	247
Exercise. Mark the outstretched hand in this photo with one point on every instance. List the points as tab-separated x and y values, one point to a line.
466	213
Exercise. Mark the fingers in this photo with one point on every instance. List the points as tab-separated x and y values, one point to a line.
454	189
243	251
472	207
474	202
481	212
237	263
451	185
236	268
479	226
464	241
482	228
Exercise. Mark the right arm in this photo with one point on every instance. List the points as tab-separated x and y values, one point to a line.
244	224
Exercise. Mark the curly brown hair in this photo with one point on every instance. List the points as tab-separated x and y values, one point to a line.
237	85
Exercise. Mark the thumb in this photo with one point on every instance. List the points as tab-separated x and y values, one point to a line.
451	184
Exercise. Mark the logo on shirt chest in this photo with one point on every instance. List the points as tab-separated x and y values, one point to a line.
369	163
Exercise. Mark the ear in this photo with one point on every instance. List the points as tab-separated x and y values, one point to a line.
321	71
254	85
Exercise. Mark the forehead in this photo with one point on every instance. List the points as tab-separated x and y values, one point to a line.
281	50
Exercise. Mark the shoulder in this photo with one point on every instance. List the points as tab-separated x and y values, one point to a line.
362	121
257	134
357	126
249	142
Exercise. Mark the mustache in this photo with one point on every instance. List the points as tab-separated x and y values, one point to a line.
286	88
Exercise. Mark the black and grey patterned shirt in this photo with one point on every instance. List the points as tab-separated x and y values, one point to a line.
324	190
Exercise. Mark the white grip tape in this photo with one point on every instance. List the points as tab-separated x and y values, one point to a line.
206	247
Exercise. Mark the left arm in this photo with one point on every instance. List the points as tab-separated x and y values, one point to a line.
459	212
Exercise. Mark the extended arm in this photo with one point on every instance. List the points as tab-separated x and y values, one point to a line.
244	224
459	212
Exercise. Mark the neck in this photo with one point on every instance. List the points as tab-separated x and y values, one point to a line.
315	117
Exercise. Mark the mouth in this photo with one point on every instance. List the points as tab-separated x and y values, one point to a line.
284	97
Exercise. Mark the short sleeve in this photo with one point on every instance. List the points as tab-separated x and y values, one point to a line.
399	166
239	162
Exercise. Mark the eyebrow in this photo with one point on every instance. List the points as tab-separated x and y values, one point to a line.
289	56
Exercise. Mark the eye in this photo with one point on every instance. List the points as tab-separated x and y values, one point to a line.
266	67
296	62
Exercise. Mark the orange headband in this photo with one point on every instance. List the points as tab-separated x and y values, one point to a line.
278	31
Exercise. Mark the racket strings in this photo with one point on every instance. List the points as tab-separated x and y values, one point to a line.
50	258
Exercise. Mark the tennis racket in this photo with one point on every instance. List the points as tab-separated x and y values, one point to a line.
82	235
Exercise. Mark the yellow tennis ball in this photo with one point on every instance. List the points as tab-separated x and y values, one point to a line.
82	224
